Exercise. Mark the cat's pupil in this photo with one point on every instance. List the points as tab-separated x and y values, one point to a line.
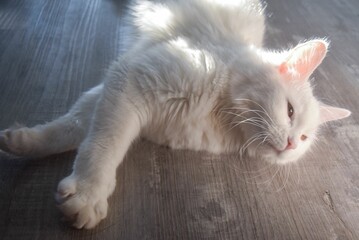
290	110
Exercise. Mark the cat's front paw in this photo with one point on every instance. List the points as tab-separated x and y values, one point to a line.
18	141
4	139
83	202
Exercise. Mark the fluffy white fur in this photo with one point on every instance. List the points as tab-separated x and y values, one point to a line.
196	77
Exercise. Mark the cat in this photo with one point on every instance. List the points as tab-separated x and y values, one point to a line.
196	77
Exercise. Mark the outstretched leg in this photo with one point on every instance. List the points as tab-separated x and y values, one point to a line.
82	196
63	134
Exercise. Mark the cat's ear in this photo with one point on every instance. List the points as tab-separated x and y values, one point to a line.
303	60
328	113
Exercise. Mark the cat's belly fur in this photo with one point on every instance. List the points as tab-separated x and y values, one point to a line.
189	121
188	133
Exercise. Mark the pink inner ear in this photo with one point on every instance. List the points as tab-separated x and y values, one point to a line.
303	60
328	113
283	69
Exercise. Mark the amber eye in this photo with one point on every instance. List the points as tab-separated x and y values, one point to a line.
290	110
303	137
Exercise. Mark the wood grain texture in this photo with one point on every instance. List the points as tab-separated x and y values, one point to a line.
51	51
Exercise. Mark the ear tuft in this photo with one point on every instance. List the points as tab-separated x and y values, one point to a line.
304	59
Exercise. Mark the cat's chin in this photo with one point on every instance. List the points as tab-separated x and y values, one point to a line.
285	158
274	156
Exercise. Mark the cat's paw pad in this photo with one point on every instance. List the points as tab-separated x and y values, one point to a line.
83	203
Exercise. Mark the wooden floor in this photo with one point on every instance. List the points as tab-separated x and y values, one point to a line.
51	51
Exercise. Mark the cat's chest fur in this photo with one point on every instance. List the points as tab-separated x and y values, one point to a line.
185	89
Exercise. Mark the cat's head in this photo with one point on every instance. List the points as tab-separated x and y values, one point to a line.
278	113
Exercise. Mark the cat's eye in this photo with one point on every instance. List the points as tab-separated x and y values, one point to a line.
290	110
303	137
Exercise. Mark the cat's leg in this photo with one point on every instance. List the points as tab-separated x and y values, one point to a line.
82	196
63	134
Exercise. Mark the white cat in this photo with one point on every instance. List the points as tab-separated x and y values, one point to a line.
196	77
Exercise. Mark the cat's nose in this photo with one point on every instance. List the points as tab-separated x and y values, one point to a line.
291	144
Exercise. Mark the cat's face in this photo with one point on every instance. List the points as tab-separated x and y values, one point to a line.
289	117
279	114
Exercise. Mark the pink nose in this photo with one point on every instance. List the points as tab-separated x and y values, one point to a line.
291	144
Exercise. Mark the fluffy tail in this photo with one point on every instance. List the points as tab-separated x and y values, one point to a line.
209	20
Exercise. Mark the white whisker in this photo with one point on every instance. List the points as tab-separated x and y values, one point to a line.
243	99
286	178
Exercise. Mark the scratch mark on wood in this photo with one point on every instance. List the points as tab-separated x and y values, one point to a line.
327	198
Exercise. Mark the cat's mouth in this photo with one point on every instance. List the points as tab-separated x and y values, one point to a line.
277	156
277	150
